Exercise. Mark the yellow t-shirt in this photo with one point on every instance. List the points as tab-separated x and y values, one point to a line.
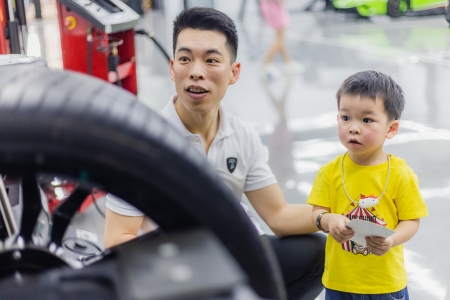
348	267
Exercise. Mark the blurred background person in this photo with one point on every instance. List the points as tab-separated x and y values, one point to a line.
276	15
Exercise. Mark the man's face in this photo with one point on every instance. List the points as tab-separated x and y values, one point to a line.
202	69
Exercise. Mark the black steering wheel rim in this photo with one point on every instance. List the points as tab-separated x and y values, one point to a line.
66	123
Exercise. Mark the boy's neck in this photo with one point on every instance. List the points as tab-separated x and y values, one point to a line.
368	159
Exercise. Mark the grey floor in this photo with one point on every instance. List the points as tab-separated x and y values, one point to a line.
296	115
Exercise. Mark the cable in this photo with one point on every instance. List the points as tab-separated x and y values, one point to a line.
151	36
96	204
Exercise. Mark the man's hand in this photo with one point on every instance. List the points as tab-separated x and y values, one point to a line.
337	228
379	246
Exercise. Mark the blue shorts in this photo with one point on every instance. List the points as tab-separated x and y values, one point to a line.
336	295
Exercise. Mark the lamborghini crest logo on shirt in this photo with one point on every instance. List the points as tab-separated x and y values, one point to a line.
231	164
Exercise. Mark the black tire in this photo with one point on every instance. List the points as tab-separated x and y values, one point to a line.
393	8
67	123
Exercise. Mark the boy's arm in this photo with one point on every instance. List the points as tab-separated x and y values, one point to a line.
404	231
333	223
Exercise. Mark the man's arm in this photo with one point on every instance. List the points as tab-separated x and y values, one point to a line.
283	218
120	228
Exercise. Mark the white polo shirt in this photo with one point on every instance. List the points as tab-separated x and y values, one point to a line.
236	153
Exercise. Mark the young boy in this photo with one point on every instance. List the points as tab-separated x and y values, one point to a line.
365	183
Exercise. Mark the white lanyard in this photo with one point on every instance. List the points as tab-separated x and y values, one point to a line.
370	201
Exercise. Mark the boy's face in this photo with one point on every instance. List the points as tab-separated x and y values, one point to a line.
363	125
202	69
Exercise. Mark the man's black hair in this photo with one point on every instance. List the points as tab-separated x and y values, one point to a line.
372	84
205	18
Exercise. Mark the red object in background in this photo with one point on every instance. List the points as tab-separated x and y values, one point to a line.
3	41
76	52
74	44
95	195
127	62
57	193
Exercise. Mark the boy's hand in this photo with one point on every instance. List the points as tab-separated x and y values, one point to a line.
337	228
379	246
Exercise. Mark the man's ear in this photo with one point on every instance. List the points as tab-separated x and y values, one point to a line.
392	129
172	75
235	72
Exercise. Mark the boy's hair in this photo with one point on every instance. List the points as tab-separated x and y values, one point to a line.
373	84
205	18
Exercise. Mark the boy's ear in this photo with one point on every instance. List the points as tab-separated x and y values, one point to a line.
392	129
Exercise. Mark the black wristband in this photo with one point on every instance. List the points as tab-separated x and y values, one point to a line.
319	217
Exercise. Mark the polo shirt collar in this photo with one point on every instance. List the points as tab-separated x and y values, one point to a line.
170	114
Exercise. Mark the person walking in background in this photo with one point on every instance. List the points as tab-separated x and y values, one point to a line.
276	15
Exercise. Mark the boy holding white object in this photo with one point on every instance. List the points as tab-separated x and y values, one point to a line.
367	184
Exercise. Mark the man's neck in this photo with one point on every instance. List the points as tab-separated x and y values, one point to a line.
205	124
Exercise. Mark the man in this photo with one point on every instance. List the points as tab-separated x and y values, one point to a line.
204	65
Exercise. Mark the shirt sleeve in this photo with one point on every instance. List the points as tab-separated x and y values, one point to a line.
409	202
259	173
320	192
122	207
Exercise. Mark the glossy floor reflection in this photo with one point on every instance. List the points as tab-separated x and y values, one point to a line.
296	115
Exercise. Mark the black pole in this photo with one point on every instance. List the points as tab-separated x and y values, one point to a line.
20	9
37	9
14	41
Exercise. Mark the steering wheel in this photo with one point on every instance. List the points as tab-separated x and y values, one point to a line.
79	127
